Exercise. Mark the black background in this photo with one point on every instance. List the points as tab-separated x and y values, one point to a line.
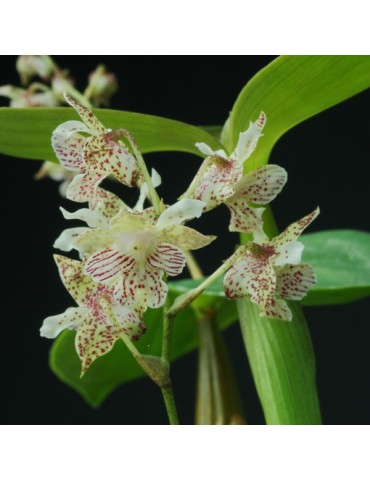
327	158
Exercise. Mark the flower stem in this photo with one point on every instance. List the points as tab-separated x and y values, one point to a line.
193	267
169	401
167	391
187	298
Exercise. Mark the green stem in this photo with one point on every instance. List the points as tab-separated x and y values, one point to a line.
186	299
166	389
169	401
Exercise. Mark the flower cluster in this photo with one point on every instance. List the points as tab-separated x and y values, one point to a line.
127	254
48	91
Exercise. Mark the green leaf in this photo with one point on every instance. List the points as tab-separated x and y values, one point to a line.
26	132
290	90
283	365
118	366
341	259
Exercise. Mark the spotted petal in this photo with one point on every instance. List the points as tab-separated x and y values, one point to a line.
291	233
86	114
81	287
71	319
130	321
262	185
185	237
243	217
95	338
217	181
251	277
168	258
106	264
277	309
83	187
294	281
105	156
108	204
157	289
68	145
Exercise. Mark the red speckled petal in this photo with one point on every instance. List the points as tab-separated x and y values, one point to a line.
68	147
168	258
130	320
108	204
95	338
71	319
218	179
294	281
106	264
291	233
252	277
277	309
243	217
262	185
156	288
86	114
83	187
105	156
80	286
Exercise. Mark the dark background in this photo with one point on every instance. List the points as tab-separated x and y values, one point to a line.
327	160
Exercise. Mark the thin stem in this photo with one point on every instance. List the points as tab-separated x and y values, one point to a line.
166	335
169	401
193	266
186	299
167	391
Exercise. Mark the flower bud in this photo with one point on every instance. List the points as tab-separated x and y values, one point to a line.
29	66
102	85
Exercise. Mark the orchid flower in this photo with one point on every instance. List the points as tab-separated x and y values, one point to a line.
135	249
95	156
99	319
220	179
107	206
270	273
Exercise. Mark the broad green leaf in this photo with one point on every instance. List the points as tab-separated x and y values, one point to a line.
341	259
26	132
290	90
283	365
118	366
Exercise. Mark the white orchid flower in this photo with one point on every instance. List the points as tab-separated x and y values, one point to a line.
270	273
94	155
99	319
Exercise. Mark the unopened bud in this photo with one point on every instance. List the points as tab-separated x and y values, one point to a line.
29	66
102	85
